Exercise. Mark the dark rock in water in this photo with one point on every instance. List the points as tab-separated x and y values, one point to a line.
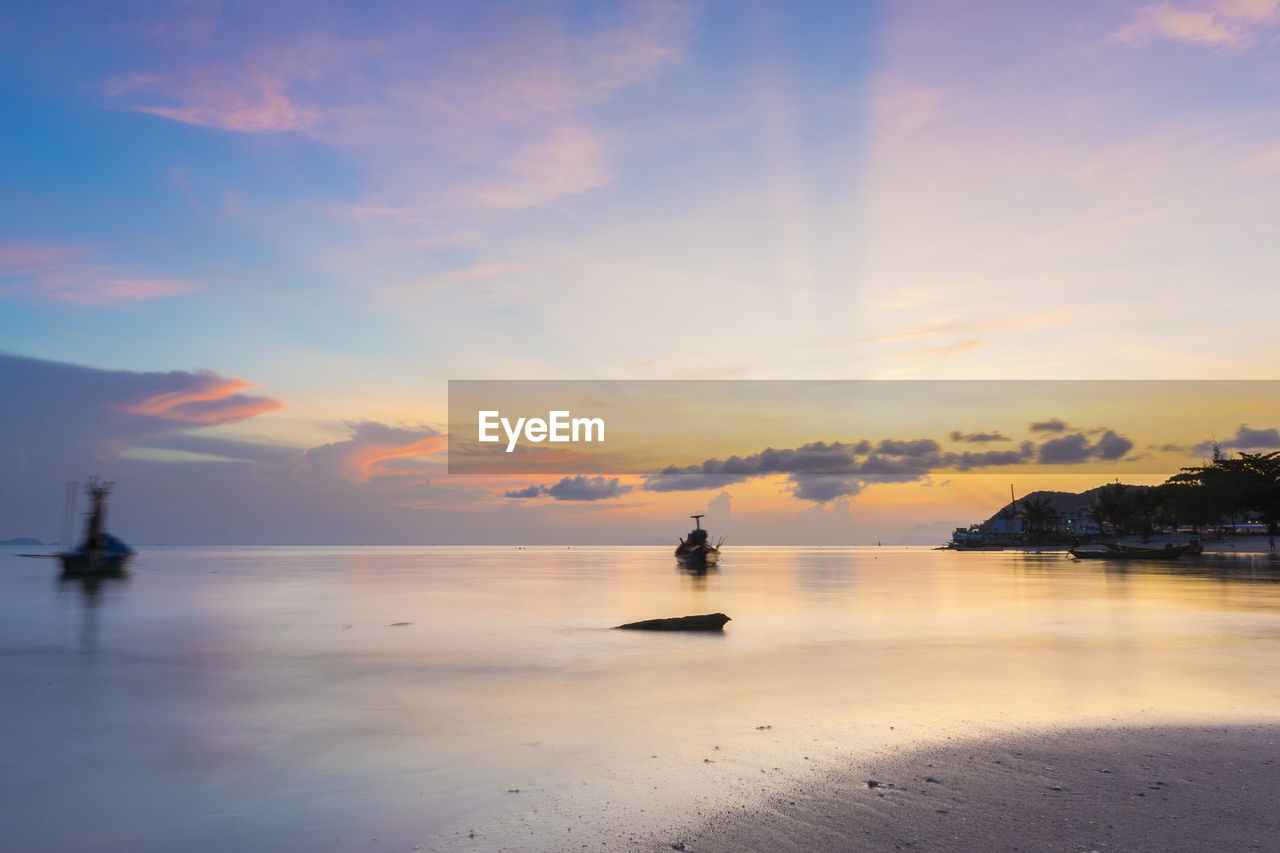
22	540
705	622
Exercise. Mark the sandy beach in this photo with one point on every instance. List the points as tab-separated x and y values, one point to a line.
1100	789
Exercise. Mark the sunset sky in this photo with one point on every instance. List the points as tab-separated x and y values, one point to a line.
244	246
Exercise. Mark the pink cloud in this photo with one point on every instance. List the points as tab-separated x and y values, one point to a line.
253	102
506	113
44	272
19	257
113	290
210	400
1220	23
86	285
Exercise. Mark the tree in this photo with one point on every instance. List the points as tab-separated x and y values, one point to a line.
1112	504
1039	512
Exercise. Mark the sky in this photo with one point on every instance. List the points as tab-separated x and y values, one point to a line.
244	247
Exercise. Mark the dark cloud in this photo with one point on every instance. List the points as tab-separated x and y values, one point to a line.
526	492
1051	425
579	488
1067	450
582	488
977	437
821	488
915	449
1075	448
991	458
822	472
62	421
1245	438
1111	447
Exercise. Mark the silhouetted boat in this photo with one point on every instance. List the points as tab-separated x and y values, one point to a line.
1130	552
100	554
695	552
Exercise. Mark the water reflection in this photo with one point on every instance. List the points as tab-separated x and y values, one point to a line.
90	592
696	574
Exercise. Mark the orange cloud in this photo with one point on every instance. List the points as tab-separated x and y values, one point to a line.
214	400
371	461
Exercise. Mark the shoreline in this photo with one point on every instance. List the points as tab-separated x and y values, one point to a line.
1148	788
1225	545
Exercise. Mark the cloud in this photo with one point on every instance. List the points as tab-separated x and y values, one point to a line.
204	399
579	488
1245	438
22	257
526	492
278	456
1111	446
915	449
991	458
822	471
825	471
50	272
376	450
976	437
64	421
1229	24
821	489
499	119
1075	448
227	97
945	350
1051	425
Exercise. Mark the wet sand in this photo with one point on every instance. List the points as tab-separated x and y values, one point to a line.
1130	789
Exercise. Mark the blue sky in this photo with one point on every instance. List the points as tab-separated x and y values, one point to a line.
345	208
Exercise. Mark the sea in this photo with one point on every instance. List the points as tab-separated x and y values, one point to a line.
438	698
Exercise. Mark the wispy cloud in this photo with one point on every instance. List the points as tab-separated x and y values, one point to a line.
40	272
208	399
455	278
1231	24
945	350
501	120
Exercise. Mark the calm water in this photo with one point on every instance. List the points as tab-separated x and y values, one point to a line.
270	699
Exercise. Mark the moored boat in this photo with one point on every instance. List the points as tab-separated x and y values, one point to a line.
100	554
695	551
1130	552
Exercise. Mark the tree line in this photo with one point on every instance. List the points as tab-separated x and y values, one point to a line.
1223	491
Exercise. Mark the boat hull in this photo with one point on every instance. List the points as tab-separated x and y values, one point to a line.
699	557
1130	553
90	565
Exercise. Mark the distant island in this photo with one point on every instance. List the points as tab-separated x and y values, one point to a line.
1224	496
21	540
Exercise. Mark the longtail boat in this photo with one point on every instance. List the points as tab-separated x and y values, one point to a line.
1129	552
694	551
100	554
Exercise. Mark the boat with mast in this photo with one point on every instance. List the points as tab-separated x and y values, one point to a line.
695	551
100	554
